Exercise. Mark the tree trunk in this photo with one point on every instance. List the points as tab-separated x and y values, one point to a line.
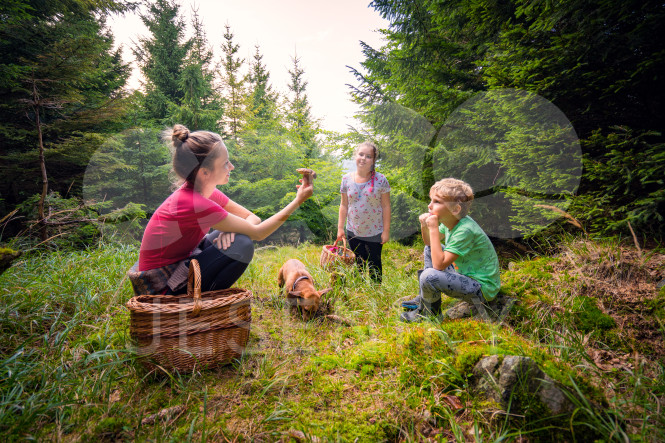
427	171
42	162
142	167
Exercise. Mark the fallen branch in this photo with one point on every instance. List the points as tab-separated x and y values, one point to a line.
572	220
67	222
637	244
338	319
11	214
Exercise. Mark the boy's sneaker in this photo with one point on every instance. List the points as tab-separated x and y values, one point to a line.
413	303
423	310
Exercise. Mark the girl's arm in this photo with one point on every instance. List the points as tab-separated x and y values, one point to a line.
385	209
440	259
242	212
233	223
343	210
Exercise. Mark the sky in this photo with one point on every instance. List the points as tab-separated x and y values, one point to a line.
325	35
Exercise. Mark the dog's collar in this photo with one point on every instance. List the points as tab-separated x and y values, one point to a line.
304	277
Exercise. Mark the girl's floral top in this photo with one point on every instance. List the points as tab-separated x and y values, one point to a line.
365	216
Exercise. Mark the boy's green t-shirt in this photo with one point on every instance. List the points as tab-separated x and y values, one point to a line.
477	257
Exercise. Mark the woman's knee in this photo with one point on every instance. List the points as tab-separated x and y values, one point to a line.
242	249
210	237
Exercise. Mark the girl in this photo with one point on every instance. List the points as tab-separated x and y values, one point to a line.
365	210
176	233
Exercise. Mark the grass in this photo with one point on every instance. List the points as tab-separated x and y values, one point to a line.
68	370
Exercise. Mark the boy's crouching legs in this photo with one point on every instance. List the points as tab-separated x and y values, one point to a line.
430	303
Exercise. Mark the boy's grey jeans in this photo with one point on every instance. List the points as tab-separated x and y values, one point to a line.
433	283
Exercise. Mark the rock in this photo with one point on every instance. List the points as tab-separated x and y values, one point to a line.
7	256
516	380
483	373
497	309
459	310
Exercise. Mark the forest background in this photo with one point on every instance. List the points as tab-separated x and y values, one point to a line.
552	110
78	145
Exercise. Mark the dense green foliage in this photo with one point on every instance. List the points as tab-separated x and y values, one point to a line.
60	85
161	57
132	166
597	62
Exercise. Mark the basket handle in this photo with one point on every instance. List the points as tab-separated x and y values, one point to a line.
334	245
194	285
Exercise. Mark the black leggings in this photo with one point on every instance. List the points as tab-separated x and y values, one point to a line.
367	250
220	269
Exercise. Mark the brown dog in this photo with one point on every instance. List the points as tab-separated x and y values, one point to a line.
298	286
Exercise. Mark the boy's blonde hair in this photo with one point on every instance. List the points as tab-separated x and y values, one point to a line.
454	191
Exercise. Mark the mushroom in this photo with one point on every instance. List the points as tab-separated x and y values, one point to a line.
307	175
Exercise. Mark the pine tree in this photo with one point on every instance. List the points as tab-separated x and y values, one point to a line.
303	127
201	51
596	61
162	58
264	152
234	86
303	131
61	87
201	106
262	100
262	136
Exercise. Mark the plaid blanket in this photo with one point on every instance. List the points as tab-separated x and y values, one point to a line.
158	281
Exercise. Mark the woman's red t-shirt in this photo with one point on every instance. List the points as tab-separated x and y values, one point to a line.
179	225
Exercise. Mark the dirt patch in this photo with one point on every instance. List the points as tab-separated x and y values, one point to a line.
624	284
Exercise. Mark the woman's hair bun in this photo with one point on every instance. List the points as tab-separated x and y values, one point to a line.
180	134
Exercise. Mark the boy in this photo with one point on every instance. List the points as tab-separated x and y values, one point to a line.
476	280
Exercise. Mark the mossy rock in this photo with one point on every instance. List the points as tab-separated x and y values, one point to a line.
7	257
112	429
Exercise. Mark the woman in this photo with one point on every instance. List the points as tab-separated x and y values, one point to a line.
176	233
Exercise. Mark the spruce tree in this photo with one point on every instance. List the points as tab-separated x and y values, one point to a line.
262	100
234	86
303	131
201	106
162	58
302	125
263	135
264	152
61	87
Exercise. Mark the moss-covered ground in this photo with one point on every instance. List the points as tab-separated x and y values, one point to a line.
591	316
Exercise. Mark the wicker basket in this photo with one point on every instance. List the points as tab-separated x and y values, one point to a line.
193	330
332	256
